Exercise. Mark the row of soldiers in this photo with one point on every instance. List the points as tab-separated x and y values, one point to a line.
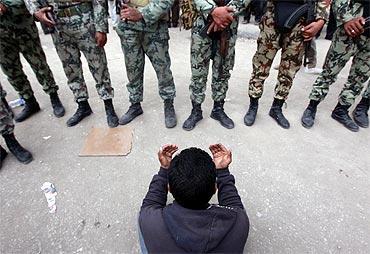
81	26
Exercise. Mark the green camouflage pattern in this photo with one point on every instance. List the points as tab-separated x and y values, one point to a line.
205	49
155	13
135	45
269	42
76	34
6	115
366	93
346	10
151	40
341	50
19	34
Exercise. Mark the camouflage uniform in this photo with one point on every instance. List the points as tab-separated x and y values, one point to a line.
148	36
342	48
203	49
19	34
269	42
6	115
75	33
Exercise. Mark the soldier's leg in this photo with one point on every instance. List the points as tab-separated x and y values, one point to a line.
7	131
340	51
291	61
312	55
156	47
267	47
69	54
32	51
131	43
221	67
359	74
12	67
200	55
10	47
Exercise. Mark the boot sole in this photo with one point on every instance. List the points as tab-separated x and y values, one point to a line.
227	127
359	123
74	124
353	130
124	123
24	119
284	127
27	161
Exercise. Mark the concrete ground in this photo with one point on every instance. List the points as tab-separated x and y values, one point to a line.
305	191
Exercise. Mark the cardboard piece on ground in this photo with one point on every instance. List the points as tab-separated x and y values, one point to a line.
108	142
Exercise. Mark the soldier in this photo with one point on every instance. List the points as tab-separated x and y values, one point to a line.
19	34
144	31
7	131
273	36
219	45
80	26
350	39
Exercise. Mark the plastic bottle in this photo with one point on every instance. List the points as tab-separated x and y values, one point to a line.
16	103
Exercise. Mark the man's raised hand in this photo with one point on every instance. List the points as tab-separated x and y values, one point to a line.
221	156
165	155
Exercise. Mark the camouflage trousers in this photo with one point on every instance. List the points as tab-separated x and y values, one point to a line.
135	45
366	93
77	34
26	41
6	115
312	55
341	50
269	42
203	49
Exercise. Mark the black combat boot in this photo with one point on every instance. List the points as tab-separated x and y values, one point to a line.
340	113
30	107
112	118
169	114
219	114
17	150
133	111
57	105
360	114
277	113
3	154
195	116
82	111
308	117
250	117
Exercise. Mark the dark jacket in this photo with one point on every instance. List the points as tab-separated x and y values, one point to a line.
175	229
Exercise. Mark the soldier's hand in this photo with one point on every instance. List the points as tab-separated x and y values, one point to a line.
165	155
310	31
101	39
222	157
3	9
42	16
223	16
129	13
354	27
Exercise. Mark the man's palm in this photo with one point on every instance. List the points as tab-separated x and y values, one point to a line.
221	156
165	155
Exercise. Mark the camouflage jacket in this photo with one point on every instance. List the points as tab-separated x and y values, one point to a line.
205	7
345	10
322	11
100	10
16	15
153	13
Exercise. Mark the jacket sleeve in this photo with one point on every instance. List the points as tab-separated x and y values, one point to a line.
155	10
204	7
322	10
157	193
101	15
239	5
32	5
345	11
227	192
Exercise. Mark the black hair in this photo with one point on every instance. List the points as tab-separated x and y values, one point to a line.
192	178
